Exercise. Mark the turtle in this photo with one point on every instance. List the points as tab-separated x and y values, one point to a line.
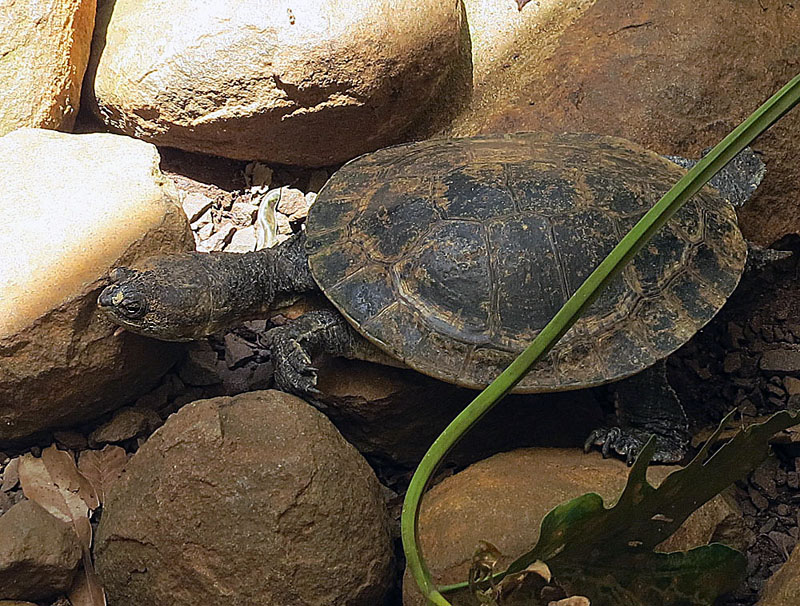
448	256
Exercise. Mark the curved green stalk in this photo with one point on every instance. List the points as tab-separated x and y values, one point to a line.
742	136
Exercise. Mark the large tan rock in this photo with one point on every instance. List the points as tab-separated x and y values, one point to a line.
783	588
44	49
313	83
248	500
674	76
504	498
39	554
73	207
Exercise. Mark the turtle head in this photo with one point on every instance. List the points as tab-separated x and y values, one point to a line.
164	300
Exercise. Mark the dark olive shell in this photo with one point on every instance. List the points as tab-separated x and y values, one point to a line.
452	255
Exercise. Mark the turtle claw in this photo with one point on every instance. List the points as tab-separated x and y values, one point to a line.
615	440
293	370
627	442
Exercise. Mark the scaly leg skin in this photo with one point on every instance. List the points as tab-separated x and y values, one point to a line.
294	345
646	405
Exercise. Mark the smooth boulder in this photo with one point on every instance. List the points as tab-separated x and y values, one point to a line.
305	83
44	50
674	76
503	499
75	206
242	501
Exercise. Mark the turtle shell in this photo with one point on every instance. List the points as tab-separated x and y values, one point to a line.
452	255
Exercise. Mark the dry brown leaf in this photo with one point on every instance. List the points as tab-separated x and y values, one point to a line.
55	483
10	475
576	600
49	485
102	467
65	474
87	590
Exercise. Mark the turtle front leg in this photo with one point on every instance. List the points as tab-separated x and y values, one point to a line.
294	345
646	405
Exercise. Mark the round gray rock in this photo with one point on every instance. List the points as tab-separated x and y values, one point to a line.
248	500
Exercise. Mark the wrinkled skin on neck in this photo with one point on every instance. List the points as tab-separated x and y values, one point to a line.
187	296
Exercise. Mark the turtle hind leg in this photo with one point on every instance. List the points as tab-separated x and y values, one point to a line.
646	405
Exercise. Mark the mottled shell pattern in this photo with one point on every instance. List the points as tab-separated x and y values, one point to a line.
452	255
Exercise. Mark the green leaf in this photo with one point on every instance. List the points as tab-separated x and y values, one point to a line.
608	555
743	135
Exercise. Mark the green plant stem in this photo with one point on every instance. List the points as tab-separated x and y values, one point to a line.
742	136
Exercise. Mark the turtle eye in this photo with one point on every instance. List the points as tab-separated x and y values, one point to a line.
133	308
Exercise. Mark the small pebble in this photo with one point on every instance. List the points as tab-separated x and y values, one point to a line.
256	326
244	213
217	241
764	478
776	390
293	204
244	240
784	542
10	476
71	440
204	233
200	367
768	526
759	500
195	205
792	385
156	399
732	363
237	351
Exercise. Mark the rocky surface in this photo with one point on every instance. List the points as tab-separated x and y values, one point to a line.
98	201
601	65
247	500
44	49
39	554
308	84
504	498
724	366
675	77
221	198
127	423
783	589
